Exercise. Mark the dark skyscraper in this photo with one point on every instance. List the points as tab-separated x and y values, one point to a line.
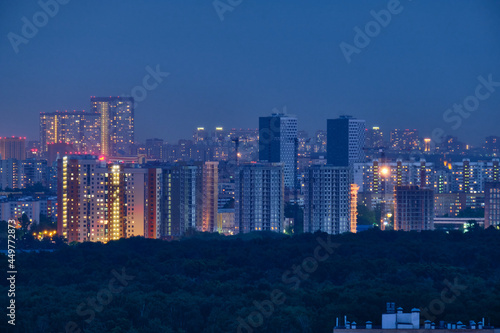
278	144
345	141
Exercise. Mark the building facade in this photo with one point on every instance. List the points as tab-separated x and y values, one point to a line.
492	204
278	144
404	139
117	134
345	141
413	209
13	147
80	129
154	190
210	196
182	199
327	200
374	138
259	198
99	202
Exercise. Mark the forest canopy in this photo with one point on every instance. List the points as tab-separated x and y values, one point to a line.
212	283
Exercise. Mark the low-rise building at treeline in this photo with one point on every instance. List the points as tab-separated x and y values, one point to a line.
416	321
100	201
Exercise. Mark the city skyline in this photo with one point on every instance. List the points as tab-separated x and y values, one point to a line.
217	91
250	166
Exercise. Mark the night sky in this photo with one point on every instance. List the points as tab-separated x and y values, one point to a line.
263	55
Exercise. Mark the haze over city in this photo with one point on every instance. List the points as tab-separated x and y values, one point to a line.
261	56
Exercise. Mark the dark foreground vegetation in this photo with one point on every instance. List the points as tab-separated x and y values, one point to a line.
210	283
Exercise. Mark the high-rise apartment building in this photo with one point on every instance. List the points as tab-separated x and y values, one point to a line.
345	141
354	189
201	135
182	199
320	140
99	202
328	200
81	200
16	208
116	203
32	172
154	190
492	145
470	177
414	208
259	198
48	130
278	144
451	144
381	176
81	129
13	147
154	148
404	139
210	196
374	138
16	174
492	204
136	200
219	135
10	174
117	124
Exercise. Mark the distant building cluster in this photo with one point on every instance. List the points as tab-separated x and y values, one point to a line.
451	186
32	207
271	178
108	129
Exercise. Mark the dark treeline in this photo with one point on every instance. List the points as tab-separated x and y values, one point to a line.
206	282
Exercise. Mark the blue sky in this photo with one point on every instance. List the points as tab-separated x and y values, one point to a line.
263	55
